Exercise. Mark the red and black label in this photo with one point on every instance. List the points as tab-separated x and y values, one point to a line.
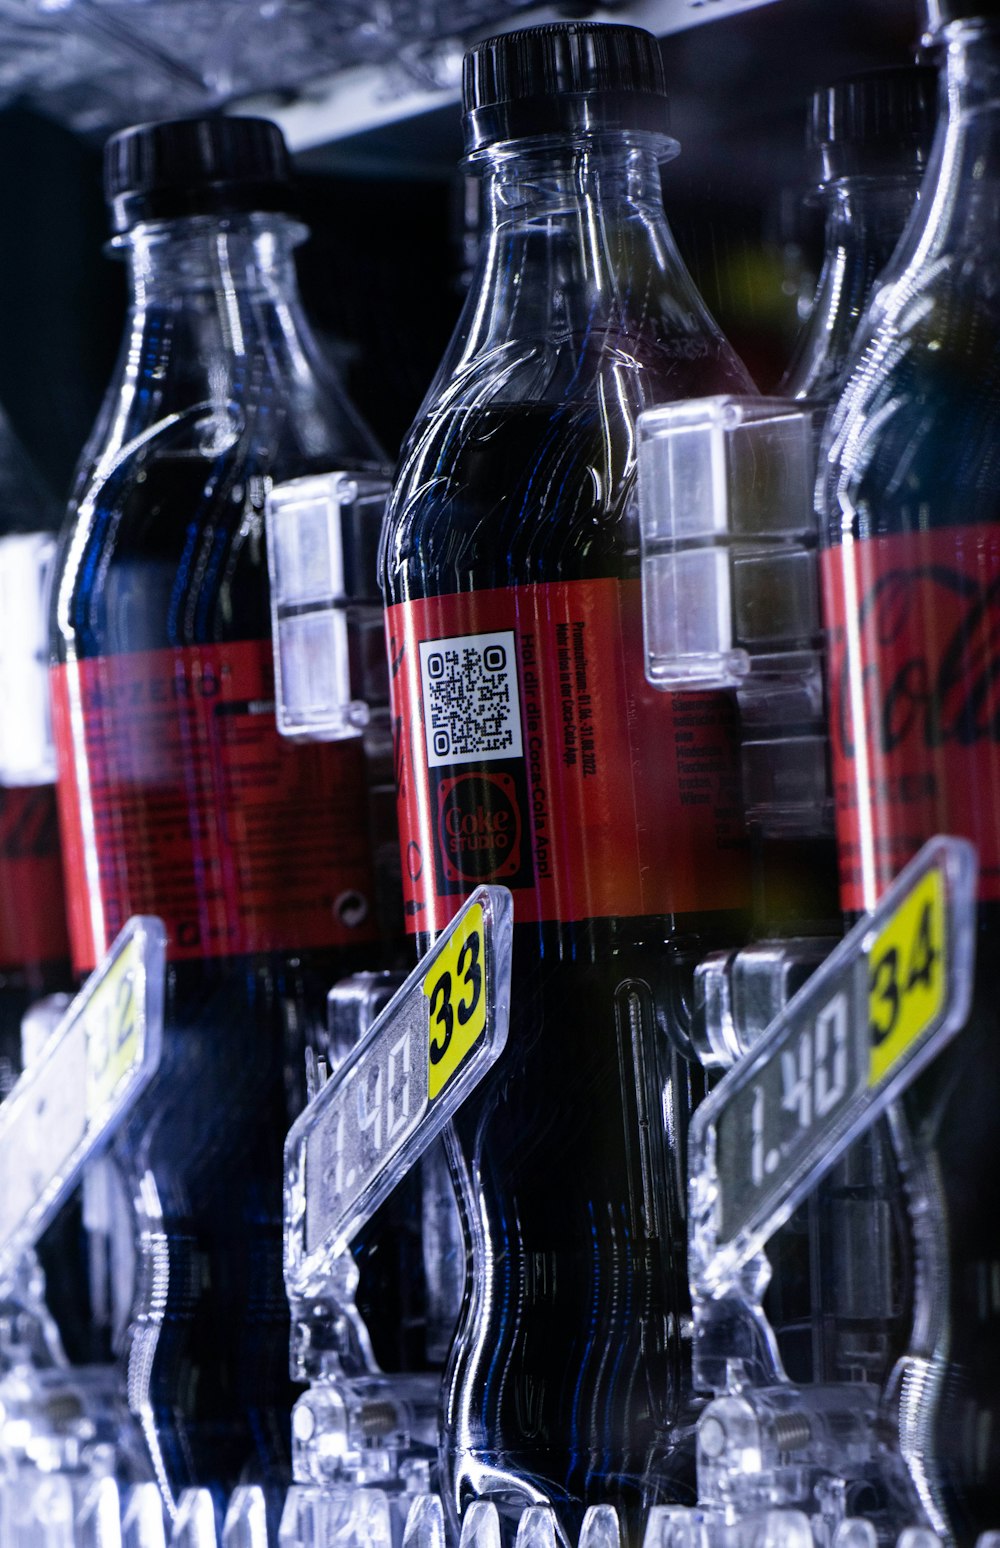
531	751
914	624
32	913
179	797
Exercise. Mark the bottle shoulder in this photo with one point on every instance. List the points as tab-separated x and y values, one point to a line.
215	398
911	441
522	466
164	543
822	351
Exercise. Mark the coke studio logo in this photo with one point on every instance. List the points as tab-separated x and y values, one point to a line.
479	829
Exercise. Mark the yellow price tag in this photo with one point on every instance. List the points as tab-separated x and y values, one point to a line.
908	975
113	1027
456	988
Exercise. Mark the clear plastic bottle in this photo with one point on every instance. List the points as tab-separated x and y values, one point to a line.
531	752
849	1313
34	939
910	491
177	795
34	943
871	137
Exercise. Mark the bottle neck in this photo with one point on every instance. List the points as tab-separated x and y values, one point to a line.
960	195
864	220
969	141
864	217
576	259
972	69
567	222
206	263
967	148
216	320
550	181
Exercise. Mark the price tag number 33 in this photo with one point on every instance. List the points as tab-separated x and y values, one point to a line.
908	976
456	988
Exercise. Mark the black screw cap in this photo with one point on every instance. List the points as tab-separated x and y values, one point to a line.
881	121
560	78
195	166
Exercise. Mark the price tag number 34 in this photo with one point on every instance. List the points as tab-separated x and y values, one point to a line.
456	988
908	974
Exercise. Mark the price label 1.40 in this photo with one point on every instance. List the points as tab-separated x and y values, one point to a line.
860	1029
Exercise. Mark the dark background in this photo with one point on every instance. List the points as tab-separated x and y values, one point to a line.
382	276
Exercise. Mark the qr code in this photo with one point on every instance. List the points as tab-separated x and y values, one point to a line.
472	711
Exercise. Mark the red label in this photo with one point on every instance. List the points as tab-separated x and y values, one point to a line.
179	797
32	913
531	751
914	700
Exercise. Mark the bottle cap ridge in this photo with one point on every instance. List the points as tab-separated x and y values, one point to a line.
195	166
562	77
881	121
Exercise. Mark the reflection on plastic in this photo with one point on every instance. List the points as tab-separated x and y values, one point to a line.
821	1075
394	1094
730	588
326	616
74	1094
54	1511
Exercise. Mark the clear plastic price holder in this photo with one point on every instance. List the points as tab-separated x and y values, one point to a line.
326	614
422	1056
72	1098
730	585
863	1026
63	1435
373	1120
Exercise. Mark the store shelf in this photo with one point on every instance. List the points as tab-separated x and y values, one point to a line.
356	100
326	68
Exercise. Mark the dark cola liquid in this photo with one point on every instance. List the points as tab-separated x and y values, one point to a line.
569	1357
933	719
34	953
34	947
176	556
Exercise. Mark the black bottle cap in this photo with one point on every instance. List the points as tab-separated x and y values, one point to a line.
939	13
195	166
560	78
878	123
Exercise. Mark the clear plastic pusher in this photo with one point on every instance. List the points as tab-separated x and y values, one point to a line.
730	586
728	537
326	614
